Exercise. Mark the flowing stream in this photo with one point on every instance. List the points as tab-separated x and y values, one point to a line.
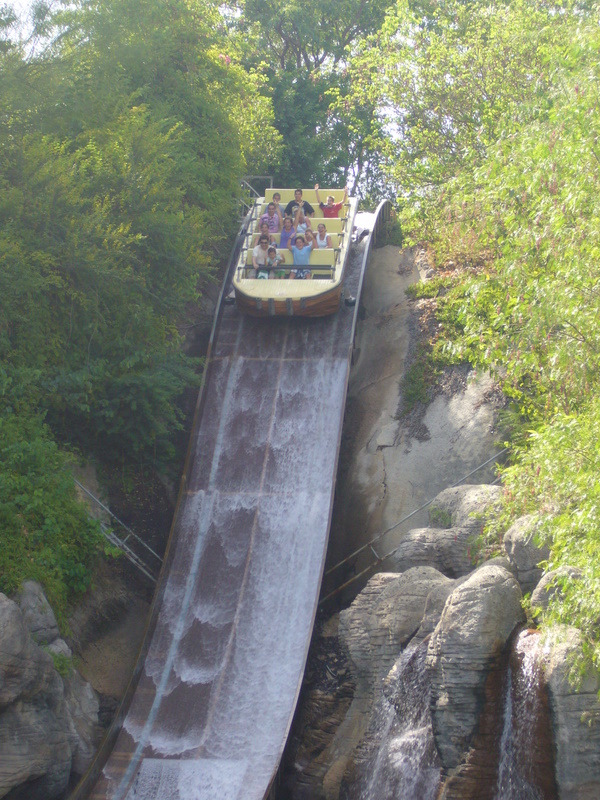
400	762
524	763
405	764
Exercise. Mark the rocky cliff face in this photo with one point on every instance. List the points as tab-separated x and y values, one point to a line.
48	721
466	626
428	595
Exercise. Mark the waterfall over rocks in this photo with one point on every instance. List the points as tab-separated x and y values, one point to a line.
450	698
526	769
398	758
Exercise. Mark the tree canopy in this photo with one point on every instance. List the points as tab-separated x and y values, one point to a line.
489	127
302	49
123	136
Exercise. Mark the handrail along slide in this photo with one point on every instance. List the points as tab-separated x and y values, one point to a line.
209	708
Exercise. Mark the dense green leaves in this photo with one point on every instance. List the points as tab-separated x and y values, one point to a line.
124	134
46	533
302	49
120	183
445	82
499	139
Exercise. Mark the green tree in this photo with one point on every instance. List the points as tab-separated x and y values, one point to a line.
121	134
302	50
47	534
123	156
522	219
442	79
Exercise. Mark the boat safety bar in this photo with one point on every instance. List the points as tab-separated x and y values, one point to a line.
369	545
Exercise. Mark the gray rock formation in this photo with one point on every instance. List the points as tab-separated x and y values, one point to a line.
576	720
524	552
47	725
25	670
382	619
464	506
477	621
37	613
446	549
36	734
83	707
376	628
550	584
434	606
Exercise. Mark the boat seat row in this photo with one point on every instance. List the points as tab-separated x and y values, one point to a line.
309	195
326	256
333	225
336	239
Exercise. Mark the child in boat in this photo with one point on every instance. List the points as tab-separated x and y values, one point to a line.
301	252
273	261
322	238
330	209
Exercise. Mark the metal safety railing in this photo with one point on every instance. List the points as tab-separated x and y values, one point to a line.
249	193
377	558
131	545
246	234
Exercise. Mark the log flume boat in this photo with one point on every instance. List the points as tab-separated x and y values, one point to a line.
208	710
320	294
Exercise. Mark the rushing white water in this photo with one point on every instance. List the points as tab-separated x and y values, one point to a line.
405	765
522	709
399	760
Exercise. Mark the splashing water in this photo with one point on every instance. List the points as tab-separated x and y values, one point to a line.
523	710
405	764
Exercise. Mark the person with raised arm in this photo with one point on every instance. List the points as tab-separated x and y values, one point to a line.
301	252
331	209
291	207
301	221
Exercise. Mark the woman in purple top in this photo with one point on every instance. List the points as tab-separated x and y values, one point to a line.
288	233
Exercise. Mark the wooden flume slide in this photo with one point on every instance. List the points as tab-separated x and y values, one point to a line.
208	712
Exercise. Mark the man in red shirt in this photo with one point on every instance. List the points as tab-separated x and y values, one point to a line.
330	209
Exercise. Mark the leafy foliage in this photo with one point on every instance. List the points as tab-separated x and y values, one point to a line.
302	51
120	178
556	477
121	134
443	81
488	127
511	195
47	534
